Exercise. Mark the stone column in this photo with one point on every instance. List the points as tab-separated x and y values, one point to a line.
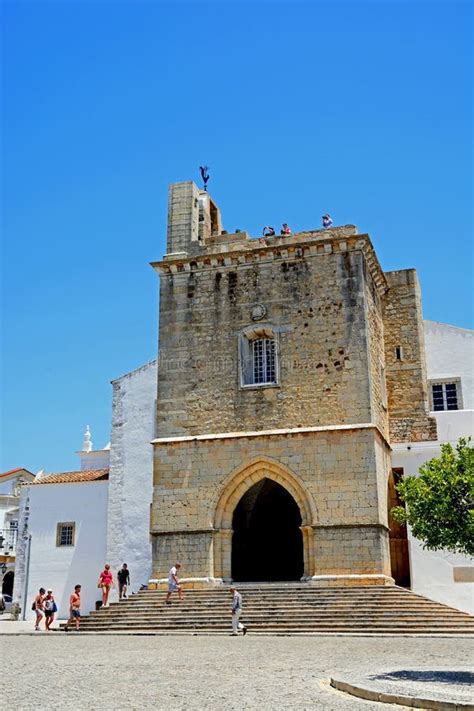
223	554
308	551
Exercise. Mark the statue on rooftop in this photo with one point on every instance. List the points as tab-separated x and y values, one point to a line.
203	169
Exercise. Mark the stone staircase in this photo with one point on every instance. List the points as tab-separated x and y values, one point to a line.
283	609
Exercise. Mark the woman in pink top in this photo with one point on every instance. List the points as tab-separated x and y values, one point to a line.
106	580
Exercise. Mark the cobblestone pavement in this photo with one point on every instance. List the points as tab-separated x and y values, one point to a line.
68	671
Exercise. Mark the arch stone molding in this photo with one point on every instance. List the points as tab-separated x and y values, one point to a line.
235	486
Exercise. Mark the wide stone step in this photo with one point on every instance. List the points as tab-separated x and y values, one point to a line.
357	619
290	629
312	604
279	603
283	609
295	615
311	613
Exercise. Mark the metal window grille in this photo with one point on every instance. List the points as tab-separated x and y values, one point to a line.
66	534
263	360
445	396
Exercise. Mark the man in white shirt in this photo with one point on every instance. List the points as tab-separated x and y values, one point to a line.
237	626
173	583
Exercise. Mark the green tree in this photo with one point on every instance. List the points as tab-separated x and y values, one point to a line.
439	503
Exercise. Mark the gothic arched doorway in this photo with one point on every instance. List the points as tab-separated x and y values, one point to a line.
267	541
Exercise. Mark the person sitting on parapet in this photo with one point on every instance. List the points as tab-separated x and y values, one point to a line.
285	230
268	232
327	222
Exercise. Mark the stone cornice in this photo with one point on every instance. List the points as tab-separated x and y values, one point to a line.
239	251
270	433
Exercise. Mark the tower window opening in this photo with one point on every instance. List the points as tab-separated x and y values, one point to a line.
258	358
263	357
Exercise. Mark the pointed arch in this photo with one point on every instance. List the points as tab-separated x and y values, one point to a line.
232	490
245	476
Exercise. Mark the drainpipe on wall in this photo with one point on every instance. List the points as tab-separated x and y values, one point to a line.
27	575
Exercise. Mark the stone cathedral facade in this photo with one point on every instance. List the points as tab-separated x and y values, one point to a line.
287	367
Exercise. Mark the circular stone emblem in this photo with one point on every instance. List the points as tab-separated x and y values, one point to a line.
258	312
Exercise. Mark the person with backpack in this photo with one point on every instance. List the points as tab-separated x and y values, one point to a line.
38	607
50	608
123	577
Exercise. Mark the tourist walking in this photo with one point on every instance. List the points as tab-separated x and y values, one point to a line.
237	626
123	577
173	583
50	608
74	609
106	581
38	607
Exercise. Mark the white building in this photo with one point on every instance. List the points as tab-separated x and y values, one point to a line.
10	483
72	523
111	516
62	538
442	576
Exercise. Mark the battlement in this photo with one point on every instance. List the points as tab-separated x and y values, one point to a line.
238	249
197	241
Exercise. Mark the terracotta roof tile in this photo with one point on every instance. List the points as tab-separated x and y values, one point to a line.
14	471
73	477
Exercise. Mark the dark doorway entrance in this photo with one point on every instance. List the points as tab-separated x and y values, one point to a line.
7	585
398	536
267	543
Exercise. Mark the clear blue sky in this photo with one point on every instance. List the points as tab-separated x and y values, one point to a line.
358	109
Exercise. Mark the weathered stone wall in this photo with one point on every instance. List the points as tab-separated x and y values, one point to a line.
192	549
317	303
325	422
337	475
352	550
375	340
406	377
183	217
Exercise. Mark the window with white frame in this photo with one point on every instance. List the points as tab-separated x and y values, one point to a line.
445	395
258	357
65	533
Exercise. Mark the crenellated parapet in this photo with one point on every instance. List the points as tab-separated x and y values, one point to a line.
238	249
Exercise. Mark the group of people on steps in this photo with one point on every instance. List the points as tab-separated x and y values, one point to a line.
45	605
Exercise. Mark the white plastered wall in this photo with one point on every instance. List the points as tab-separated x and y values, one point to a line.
449	354
131	473
57	567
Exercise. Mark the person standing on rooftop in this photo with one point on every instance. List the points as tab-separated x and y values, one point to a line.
285	230
327	221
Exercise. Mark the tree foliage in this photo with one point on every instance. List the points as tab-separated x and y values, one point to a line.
440	501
